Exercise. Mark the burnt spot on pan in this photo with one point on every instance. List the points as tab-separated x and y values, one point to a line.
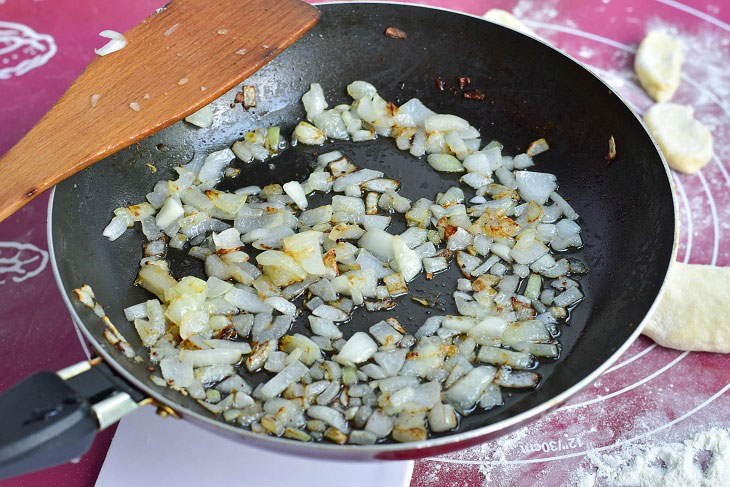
395	33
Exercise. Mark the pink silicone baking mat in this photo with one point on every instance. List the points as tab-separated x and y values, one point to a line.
651	395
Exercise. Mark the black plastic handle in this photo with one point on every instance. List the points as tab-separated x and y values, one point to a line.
46	420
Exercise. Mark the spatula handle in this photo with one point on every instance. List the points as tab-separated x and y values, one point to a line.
176	61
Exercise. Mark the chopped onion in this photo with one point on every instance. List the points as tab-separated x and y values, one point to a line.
386	381
360	89
116	228
527	248
478	163
568	297
460	240
216	356
379	424
520	379
281	268
117	42
324	327
348	204
418	147
227	239
246	301
309	134
176	372
379	185
432	265
535	186
375	222
522	161
500	356
356	178
444	123
305	248
281	305
329	416
295	191
537	147
281	381
406	260
567	210
359	348
212	169
384	333
366	260
202	118
442	418
170	212
331	124
309	351
379	243
314	101
330	313
467	390
136	312
445	163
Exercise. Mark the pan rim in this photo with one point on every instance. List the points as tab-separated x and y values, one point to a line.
373	450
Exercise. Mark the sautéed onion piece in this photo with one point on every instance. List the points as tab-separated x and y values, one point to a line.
272	258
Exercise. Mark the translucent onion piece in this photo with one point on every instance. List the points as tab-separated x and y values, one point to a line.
281	381
202	118
407	262
314	101
359	348
445	163
212	169
444	123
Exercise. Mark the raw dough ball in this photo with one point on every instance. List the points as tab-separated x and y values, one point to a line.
506	19
658	64
693	312
685	142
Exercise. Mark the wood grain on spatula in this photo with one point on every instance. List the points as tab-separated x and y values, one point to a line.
168	71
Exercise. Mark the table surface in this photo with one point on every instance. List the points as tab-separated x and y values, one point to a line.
652	394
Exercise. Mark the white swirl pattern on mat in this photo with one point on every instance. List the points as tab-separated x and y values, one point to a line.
23	49
21	261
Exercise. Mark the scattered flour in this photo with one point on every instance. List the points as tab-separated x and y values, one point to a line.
586	479
701	461
543	11
586	52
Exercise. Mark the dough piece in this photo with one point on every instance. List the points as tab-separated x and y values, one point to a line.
658	64
506	19
685	142
693	312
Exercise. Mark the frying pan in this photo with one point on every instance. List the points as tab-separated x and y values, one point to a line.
627	209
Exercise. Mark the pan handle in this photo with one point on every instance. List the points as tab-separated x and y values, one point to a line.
52	418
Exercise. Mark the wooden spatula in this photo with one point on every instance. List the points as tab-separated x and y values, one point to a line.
176	61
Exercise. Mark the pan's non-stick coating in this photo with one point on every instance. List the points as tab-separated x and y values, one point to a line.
531	90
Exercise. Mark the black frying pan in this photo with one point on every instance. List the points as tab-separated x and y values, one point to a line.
532	90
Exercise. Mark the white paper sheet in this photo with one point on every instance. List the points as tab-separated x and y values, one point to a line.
148	450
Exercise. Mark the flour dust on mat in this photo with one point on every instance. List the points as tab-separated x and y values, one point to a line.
703	460
541	11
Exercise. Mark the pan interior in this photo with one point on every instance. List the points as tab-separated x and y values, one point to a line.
531	90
